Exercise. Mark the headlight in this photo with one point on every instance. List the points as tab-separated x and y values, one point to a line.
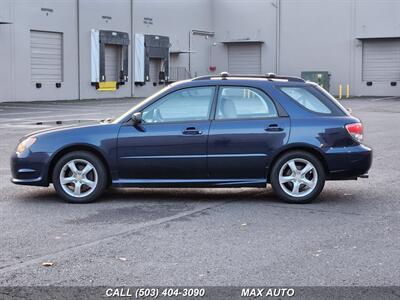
25	144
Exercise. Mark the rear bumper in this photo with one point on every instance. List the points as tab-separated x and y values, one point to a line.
29	170
348	162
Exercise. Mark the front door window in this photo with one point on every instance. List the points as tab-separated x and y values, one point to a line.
191	104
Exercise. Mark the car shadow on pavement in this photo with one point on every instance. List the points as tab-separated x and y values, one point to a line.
116	195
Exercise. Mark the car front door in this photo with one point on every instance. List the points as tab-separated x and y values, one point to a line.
245	132
171	142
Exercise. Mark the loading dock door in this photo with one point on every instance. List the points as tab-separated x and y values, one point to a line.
112	62
154	69
381	60
46	56
244	58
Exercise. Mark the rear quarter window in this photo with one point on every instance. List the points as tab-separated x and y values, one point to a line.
308	99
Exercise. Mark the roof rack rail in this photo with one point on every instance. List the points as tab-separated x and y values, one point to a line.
204	77
269	76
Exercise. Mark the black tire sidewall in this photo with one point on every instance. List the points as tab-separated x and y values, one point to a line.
275	177
101	173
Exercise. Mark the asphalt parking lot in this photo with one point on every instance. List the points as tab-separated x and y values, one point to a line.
350	236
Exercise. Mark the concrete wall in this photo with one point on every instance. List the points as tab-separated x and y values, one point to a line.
297	35
317	41
7	87
176	18
309	35
374	19
327	39
91	16
28	15
238	20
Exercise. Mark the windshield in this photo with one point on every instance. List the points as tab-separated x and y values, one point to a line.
148	99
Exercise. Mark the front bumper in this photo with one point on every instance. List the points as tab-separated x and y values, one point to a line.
30	169
348	162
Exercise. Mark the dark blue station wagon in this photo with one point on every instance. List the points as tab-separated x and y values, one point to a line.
211	131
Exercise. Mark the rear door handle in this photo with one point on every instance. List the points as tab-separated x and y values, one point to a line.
273	128
192	131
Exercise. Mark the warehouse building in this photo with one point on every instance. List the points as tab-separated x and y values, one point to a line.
91	49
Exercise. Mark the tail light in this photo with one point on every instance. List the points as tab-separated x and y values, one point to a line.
356	131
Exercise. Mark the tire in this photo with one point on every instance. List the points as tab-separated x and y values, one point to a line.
302	184
83	174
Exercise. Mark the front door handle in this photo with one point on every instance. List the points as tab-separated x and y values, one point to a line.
192	131
273	128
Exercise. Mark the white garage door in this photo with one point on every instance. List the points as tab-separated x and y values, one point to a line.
381	60
46	56
244	58
112	62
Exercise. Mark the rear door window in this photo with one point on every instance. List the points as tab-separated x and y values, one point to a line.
306	99
244	103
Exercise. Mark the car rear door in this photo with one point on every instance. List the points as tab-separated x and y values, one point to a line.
171	142
245	132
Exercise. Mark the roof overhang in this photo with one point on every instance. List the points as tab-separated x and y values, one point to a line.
377	37
177	52
4	20
202	32
243	42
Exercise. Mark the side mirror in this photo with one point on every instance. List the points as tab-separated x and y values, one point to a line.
137	118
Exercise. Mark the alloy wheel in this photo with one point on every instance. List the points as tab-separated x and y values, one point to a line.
298	177
78	178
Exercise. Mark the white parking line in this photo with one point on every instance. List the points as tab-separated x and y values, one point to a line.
34	108
60	117
38	110
52	117
36	127
24	113
385	98
75	105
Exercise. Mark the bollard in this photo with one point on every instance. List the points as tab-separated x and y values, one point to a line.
340	91
347	91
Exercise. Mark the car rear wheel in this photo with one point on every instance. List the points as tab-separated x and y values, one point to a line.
79	177
298	177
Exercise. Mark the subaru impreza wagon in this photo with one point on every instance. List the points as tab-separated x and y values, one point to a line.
211	131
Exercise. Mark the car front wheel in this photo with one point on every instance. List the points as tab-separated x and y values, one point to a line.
79	177
298	177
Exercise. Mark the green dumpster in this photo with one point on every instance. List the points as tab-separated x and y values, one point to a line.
322	78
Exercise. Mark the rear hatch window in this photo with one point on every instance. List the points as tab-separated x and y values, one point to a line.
314	99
